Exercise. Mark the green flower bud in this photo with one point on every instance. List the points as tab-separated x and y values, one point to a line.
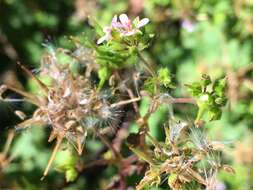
219	87
221	101
71	175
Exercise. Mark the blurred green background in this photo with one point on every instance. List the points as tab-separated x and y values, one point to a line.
192	37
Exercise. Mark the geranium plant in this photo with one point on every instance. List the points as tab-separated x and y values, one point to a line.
103	99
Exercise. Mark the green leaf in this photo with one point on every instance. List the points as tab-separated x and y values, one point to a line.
195	89
156	120
205	80
164	77
150	85
214	114
99	29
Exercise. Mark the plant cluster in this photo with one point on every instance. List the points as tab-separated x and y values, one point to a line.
111	76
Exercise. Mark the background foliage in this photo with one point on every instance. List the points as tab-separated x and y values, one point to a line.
192	37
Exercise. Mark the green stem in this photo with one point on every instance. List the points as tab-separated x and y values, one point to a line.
200	114
146	64
109	145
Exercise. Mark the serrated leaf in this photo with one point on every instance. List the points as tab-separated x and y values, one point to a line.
164	77
195	88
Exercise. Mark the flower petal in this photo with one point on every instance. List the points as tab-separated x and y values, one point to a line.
102	39
114	19
142	22
123	19
188	25
115	24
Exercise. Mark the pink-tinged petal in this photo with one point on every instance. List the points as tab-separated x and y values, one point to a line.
188	25
116	25
142	22
123	19
114	22
115	19
102	39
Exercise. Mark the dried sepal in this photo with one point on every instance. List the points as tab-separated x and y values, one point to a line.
151	178
186	157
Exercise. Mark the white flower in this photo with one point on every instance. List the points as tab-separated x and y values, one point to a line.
108	31
129	28
125	27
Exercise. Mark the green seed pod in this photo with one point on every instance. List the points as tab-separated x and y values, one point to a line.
221	101
219	87
66	162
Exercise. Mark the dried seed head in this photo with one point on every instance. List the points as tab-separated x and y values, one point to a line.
70	104
70	124
176	129
151	178
183	163
199	140
228	169
3	89
217	145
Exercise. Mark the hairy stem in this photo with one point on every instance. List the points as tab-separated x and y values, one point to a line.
183	101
